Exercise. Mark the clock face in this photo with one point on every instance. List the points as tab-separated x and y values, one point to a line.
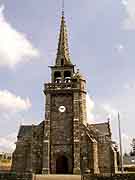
62	109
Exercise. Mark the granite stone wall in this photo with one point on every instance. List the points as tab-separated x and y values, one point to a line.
14	176
130	176
28	176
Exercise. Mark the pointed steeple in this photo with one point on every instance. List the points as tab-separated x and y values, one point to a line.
63	57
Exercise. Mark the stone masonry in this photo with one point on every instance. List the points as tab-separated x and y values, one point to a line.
64	143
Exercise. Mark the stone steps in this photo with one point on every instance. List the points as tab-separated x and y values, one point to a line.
57	177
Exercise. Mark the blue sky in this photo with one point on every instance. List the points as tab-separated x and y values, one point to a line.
101	40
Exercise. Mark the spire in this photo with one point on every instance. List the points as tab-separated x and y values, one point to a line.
63	57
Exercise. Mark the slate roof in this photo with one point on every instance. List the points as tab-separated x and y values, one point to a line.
25	131
103	128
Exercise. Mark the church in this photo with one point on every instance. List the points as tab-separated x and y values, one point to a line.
64	143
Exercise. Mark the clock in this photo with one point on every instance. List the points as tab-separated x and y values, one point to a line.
62	109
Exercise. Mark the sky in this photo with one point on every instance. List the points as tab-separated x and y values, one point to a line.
101	42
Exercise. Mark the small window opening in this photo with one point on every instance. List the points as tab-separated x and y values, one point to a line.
67	76
62	62
57	77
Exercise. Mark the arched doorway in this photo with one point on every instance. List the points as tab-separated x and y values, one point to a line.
62	165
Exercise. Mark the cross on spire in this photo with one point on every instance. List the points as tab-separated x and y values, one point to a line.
63	7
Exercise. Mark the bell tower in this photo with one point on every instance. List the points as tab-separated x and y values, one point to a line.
63	69
65	110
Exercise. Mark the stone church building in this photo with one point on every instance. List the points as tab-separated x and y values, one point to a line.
64	143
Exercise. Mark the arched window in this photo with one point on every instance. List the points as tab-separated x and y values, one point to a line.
57	76
67	74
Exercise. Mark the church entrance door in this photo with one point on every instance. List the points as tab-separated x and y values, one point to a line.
62	165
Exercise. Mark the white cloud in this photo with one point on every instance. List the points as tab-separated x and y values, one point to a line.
12	103
104	111
129	22
14	46
89	107
110	111
126	142
12	109
124	2
7	144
